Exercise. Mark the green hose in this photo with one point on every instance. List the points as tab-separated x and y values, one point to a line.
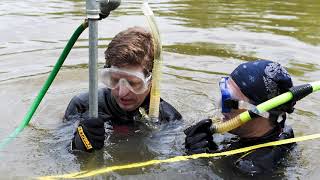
46	85
266	106
315	86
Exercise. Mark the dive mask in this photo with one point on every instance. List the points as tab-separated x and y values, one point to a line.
114	77
225	95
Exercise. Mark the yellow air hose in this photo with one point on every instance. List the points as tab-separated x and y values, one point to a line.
227	125
156	71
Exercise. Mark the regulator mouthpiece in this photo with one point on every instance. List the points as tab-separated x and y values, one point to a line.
106	6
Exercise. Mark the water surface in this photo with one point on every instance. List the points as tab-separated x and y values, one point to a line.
203	40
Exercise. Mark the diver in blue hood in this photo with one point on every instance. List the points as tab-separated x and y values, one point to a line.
249	84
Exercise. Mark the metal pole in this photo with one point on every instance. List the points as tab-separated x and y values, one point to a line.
92	7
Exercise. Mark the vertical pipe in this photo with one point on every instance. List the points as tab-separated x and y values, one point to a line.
93	74
92	7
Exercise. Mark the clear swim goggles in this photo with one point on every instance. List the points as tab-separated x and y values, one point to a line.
114	77
228	101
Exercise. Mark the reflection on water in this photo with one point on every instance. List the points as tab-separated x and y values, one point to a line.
209	49
203	40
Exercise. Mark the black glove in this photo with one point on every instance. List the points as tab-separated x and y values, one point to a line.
199	138
90	135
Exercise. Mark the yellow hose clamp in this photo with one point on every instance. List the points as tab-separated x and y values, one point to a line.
84	138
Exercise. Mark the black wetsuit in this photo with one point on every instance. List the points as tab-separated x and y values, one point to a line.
109	110
262	160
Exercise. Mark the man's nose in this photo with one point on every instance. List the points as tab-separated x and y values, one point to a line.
123	90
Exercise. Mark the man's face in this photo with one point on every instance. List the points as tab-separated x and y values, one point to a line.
125	98
254	128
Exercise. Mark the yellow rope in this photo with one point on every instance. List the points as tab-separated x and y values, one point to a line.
84	174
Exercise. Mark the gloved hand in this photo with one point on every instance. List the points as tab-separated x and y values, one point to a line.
90	135
199	138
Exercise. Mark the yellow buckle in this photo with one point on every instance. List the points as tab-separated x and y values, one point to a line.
84	138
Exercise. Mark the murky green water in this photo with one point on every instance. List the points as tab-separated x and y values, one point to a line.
202	39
